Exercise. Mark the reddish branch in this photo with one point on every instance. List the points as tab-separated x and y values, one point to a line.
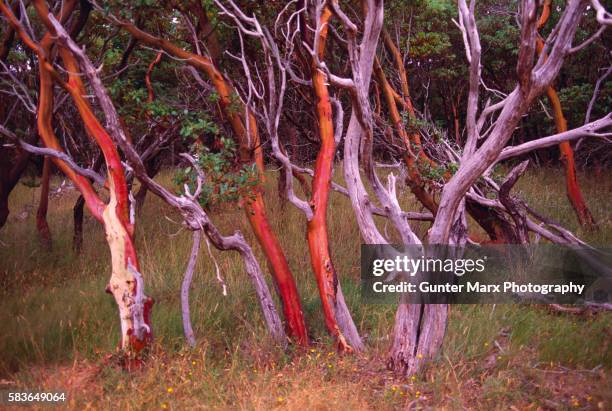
414	180
574	193
151	94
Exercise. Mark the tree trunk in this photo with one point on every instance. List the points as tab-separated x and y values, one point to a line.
187	328
281	187
140	198
152	168
126	283
345	333
574	194
41	214
287	289
10	173
77	237
402	355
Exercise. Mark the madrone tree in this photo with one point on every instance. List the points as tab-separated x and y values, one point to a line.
291	55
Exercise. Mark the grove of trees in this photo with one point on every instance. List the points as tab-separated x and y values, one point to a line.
457	98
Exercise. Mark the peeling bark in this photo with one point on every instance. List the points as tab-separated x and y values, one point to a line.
194	215
126	283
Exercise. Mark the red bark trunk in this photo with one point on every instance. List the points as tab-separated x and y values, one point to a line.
574	194
317	232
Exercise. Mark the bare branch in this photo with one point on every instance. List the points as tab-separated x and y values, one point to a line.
588	41
43	151
592	130
603	16
600	80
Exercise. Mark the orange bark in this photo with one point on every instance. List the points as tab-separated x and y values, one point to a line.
250	151
119	229
151	94
318	241
414	180
456	121
574	193
45	107
416	183
114	215
399	63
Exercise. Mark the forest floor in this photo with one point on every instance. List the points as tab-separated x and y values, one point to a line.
59	328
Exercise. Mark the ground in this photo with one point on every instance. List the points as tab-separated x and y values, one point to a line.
60	329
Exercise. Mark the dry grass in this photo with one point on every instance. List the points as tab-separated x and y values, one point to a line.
59	326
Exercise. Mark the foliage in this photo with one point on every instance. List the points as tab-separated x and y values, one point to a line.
225	182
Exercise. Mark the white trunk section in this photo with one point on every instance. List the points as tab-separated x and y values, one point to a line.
126	284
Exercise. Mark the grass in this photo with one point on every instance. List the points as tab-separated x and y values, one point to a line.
59	326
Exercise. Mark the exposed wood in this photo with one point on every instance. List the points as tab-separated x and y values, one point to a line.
186	284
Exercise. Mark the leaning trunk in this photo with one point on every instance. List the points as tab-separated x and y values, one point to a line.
10	172
287	289
585	218
334	308
126	283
